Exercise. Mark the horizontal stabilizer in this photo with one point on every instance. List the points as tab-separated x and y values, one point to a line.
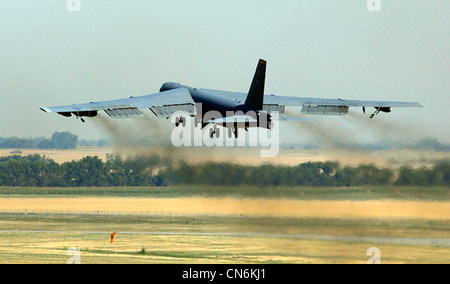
233	119
293	119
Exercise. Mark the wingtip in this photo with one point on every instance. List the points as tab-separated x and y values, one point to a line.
415	104
45	109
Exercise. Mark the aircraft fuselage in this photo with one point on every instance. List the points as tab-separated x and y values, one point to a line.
210	102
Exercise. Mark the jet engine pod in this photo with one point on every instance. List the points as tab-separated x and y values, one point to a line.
65	114
80	114
92	113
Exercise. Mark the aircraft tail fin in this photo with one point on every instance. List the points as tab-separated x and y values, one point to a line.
255	98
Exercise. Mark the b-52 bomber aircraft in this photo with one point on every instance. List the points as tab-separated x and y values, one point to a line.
235	110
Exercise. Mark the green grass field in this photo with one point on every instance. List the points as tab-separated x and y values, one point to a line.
301	193
47	237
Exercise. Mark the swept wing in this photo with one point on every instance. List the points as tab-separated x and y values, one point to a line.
161	104
320	106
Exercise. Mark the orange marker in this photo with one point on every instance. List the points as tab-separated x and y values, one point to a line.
112	236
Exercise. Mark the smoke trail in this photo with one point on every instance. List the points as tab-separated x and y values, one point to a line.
357	131
387	130
144	136
148	136
328	134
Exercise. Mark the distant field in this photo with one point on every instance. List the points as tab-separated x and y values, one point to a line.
432	210
353	202
188	224
247	156
157	239
415	193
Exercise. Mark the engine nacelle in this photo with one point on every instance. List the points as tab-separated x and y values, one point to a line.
93	113
385	109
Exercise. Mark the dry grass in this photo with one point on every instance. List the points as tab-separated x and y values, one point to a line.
204	240
248	156
52	248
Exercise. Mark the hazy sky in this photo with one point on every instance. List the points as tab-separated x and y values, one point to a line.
318	48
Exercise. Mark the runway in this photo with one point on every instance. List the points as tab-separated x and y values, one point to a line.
434	242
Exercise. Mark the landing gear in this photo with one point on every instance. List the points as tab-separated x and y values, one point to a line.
180	121
214	131
377	111
197	123
82	119
233	132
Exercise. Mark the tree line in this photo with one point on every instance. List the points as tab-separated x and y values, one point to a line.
35	170
67	140
59	140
